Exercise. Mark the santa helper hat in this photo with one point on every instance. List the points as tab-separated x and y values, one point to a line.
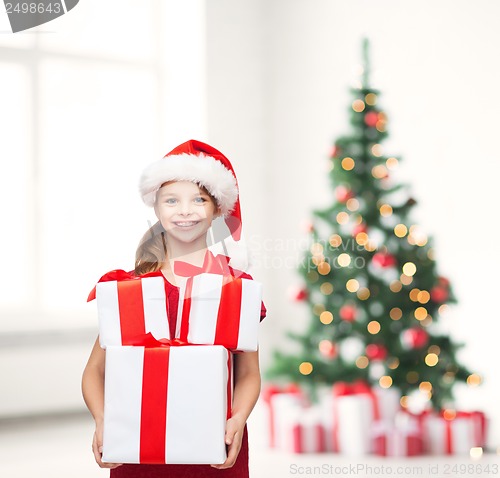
202	164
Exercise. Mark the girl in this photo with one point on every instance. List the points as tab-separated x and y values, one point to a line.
190	188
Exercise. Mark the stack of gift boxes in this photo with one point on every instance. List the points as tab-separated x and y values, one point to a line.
166	398
358	419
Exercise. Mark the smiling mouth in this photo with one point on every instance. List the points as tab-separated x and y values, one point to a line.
186	223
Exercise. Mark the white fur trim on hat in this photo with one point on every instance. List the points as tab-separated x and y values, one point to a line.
204	170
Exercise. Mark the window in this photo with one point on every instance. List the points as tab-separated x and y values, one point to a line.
87	101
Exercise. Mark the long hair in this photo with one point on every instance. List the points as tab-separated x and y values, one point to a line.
151	252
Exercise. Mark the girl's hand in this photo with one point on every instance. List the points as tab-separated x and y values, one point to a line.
234	436
97	449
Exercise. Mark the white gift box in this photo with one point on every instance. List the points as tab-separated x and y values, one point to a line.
393	439
285	408
221	310
355	408
130	308
455	436
355	418
325	405
298	428
166	404
306	434
388	401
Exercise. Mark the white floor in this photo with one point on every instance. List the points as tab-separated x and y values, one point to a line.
60	447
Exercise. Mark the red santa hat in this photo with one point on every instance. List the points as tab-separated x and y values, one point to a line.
202	164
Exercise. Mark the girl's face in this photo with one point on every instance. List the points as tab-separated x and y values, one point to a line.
184	210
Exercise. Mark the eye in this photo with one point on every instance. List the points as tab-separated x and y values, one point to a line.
169	200
200	200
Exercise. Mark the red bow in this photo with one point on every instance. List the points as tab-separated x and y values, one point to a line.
149	341
212	264
271	390
118	275
344	388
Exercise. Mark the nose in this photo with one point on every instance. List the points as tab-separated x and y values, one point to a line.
185	208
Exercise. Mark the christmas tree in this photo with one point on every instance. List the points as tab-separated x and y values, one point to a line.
371	279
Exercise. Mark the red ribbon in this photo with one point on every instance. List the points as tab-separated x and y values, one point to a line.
340	389
118	275
154	405
228	314
186	310
229	386
479	429
131	310
149	341
154	395
212	264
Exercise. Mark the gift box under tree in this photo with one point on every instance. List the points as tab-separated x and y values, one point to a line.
451	432
356	407
396	439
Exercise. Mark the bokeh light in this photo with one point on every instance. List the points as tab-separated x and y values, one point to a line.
305	368
352	285
358	106
373	327
344	259
326	317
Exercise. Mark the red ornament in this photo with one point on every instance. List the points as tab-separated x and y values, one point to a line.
439	294
371	119
335	151
383	259
298	294
343	194
443	281
359	228
348	313
376	352
308	226
328	349
414	338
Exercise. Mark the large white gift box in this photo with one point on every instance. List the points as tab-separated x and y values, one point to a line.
166	404
220	310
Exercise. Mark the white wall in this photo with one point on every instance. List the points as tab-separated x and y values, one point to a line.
278	76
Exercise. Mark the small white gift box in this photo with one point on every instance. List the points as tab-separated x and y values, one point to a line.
219	310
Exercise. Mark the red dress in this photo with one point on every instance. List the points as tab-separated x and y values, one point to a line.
240	467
